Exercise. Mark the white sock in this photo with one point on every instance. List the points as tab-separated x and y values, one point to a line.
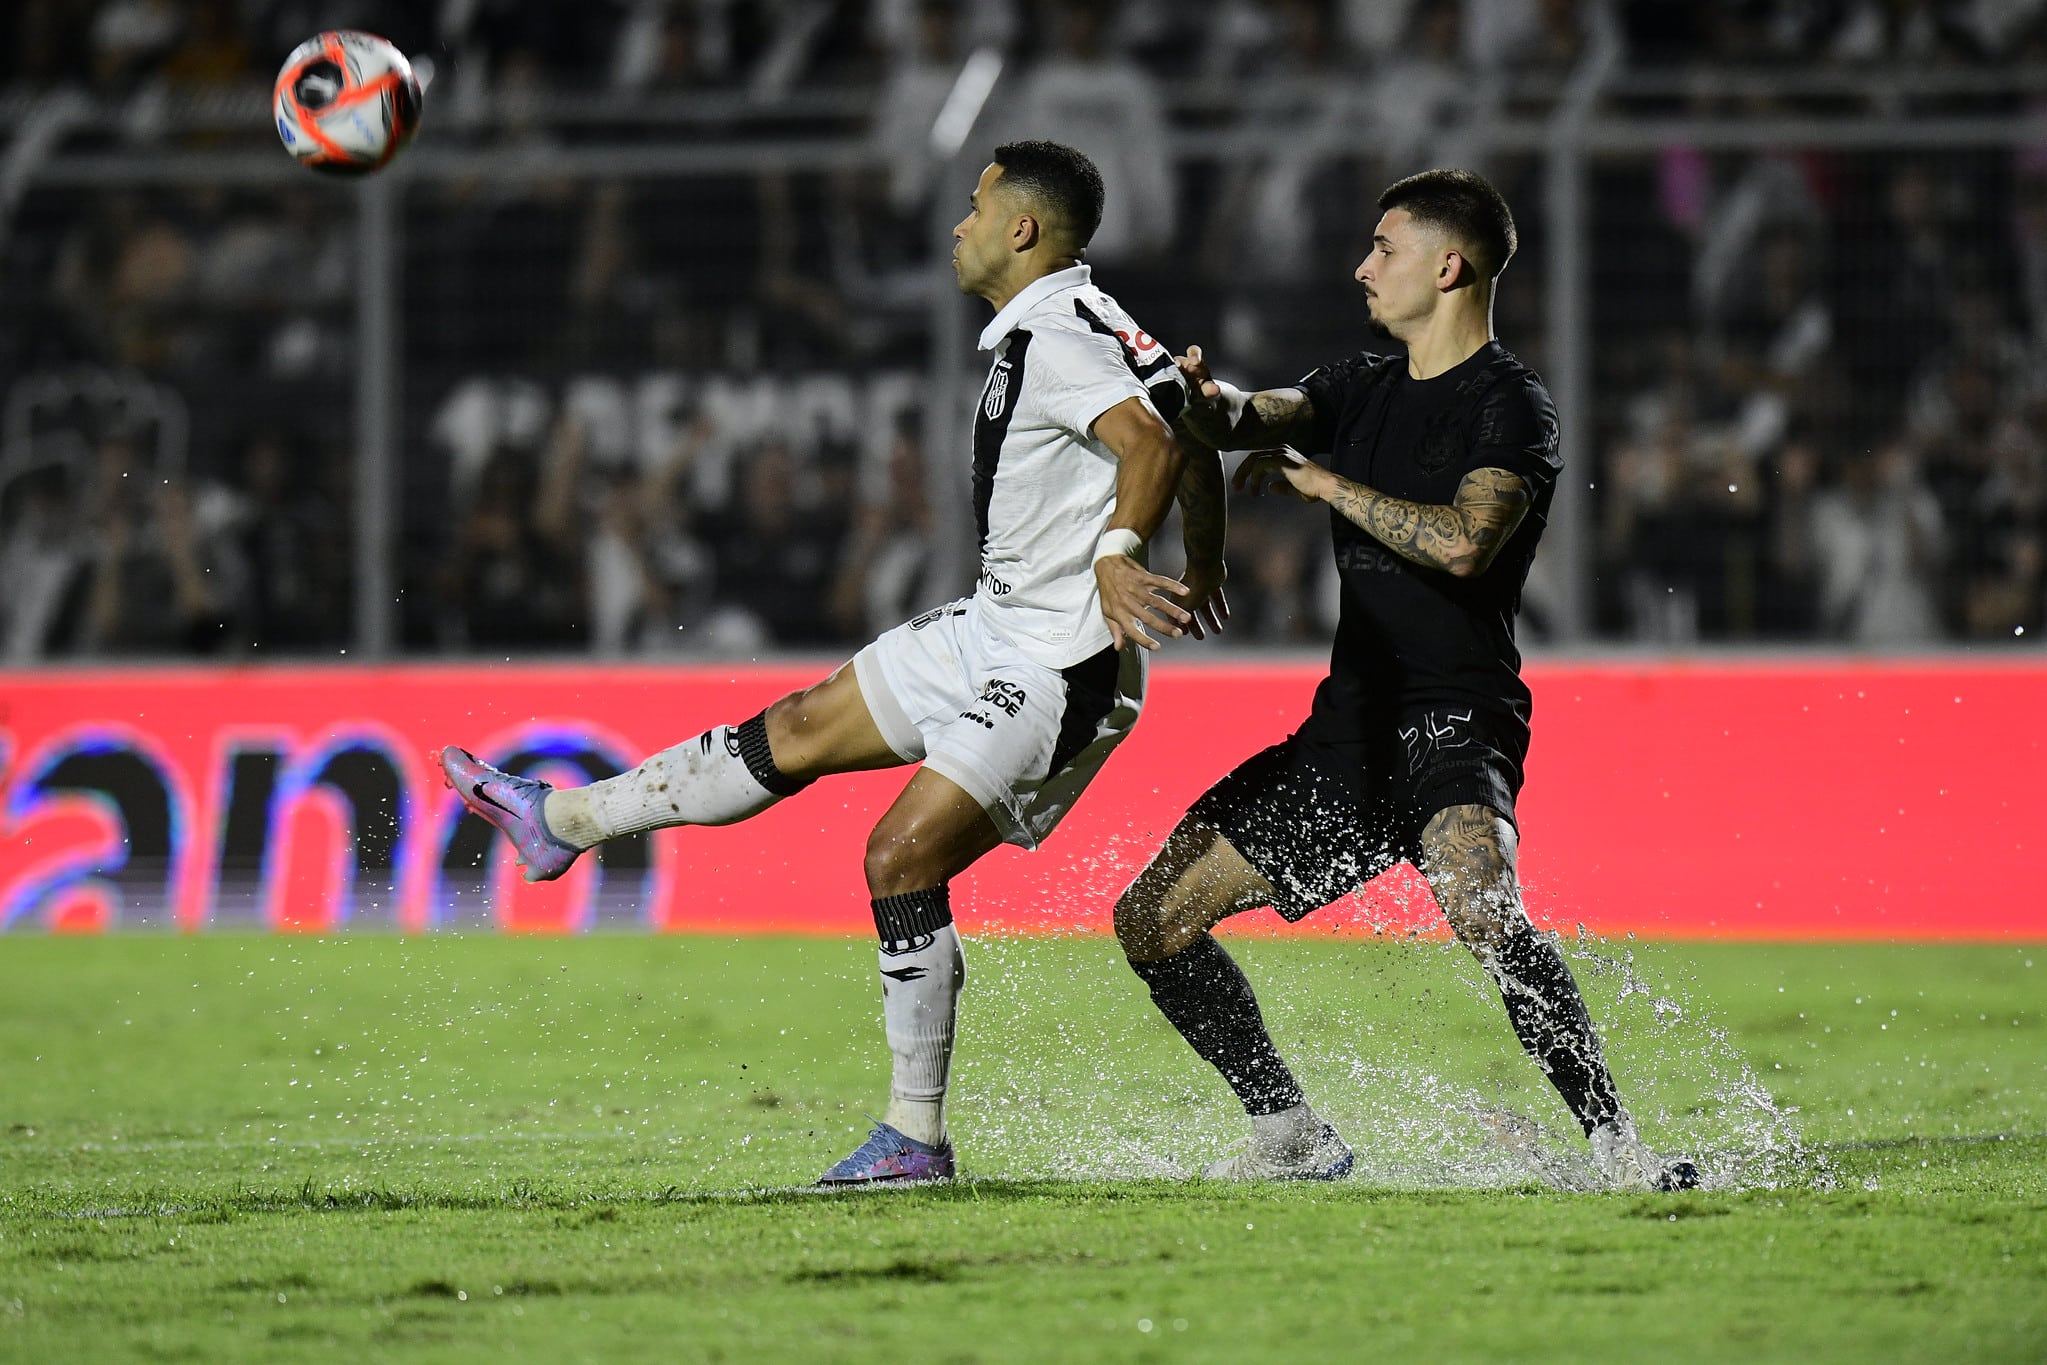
920	991
701	781
1285	1131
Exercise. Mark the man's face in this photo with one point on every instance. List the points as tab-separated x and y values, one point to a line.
981	241
1402	272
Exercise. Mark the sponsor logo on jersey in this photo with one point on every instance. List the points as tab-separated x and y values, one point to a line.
1003	695
1369	559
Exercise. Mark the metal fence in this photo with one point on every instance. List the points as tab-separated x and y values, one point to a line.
676	379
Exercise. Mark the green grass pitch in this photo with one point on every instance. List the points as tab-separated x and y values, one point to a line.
492	1149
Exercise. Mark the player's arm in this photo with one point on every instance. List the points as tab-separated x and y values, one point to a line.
1204	521
1461	538
1228	418
1149	466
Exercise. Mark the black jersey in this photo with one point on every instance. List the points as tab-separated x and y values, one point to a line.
1411	636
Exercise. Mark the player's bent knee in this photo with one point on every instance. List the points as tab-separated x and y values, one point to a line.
1139	921
901	859
1196	881
1159	915
1484	925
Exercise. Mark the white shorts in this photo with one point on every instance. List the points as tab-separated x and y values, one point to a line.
1022	739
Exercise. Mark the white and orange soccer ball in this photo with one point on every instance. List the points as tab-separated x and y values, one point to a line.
346	102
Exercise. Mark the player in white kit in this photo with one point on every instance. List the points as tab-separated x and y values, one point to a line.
1011	699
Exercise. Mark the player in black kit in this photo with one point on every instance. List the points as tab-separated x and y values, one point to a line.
1441	466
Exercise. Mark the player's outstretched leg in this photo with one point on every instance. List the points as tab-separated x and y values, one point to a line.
1162	921
720	777
933	832
1469	859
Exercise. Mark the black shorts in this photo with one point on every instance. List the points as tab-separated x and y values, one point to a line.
1318	820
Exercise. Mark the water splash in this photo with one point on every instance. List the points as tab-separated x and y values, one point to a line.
1424	1101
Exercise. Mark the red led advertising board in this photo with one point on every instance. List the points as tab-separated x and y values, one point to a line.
1799	800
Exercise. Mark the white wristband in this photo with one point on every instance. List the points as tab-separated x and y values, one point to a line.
1232	401
1119	540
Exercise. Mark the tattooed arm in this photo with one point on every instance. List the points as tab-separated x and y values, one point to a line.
1461	538
1229	419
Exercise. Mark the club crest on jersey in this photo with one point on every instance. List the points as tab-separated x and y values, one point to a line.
998	391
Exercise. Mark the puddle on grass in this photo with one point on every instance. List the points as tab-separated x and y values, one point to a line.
1041	1092
1046	1089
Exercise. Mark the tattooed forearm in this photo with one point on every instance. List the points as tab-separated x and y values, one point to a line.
1270	417
1460	539
1273	417
1204	509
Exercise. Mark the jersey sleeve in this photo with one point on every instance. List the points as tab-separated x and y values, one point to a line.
1515	429
1081	375
1329	389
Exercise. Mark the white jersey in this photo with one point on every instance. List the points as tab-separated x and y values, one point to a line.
1044	487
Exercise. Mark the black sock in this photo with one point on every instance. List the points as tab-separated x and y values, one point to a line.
760	759
1550	1017
1204	994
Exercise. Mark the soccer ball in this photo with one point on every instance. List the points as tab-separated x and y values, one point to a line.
346	102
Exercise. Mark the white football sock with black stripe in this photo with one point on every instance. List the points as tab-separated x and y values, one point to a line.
922	970
719	778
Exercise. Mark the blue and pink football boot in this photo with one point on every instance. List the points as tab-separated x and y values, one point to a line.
516	805
892	1156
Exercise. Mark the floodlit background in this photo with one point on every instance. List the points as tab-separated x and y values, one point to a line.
647	348
635	394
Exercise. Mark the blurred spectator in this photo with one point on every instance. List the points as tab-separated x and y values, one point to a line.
1285	222
893	566
513	580
165	578
1777	328
920	76
2029	232
1087	96
1957	428
1764	316
1893	285
1788	592
129	37
1897	32
775	560
1737	204
44	550
294	541
1877	541
1425	96
120	272
647	576
2003	560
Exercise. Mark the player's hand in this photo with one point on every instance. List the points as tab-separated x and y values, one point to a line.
1203	415
1134	599
1281	471
1208	609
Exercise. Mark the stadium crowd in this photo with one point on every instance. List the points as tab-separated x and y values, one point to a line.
1817	405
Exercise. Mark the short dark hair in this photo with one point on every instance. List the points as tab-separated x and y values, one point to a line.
1464	205
1058	177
